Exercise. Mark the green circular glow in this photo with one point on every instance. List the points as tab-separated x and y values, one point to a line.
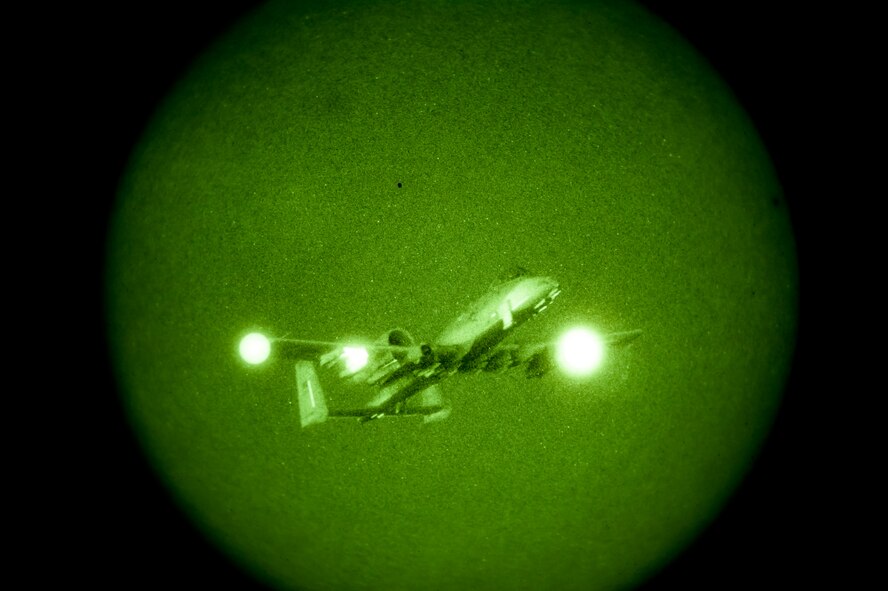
255	348
585	139
579	352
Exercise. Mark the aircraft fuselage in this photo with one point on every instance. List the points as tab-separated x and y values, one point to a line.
473	335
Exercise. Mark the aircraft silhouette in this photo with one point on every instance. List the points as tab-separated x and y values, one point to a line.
408	373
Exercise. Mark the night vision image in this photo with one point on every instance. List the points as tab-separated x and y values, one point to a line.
450	295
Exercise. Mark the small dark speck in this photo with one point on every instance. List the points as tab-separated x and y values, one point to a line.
775	201
399	185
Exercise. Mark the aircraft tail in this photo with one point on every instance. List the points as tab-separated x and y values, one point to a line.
312	404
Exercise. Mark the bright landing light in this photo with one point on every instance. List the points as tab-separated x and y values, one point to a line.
579	352
355	358
255	348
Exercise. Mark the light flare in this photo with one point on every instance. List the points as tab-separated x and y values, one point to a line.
579	352
255	348
355	358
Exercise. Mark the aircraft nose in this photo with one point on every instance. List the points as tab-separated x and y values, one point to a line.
550	287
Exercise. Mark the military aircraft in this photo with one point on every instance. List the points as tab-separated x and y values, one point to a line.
407	373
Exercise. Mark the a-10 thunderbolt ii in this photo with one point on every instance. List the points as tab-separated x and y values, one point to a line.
407	374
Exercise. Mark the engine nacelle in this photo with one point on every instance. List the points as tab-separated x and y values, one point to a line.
382	363
397	337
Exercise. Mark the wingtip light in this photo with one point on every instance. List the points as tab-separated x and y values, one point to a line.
255	348
580	352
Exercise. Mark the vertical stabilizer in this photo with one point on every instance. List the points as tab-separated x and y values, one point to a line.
312	405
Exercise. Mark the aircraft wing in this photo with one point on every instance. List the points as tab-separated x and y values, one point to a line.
360	361
296	349
618	339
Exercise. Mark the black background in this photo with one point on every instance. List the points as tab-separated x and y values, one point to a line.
119	62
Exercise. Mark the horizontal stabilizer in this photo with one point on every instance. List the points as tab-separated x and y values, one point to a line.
430	404
430	413
312	405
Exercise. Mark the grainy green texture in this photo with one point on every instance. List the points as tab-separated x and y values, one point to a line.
583	141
